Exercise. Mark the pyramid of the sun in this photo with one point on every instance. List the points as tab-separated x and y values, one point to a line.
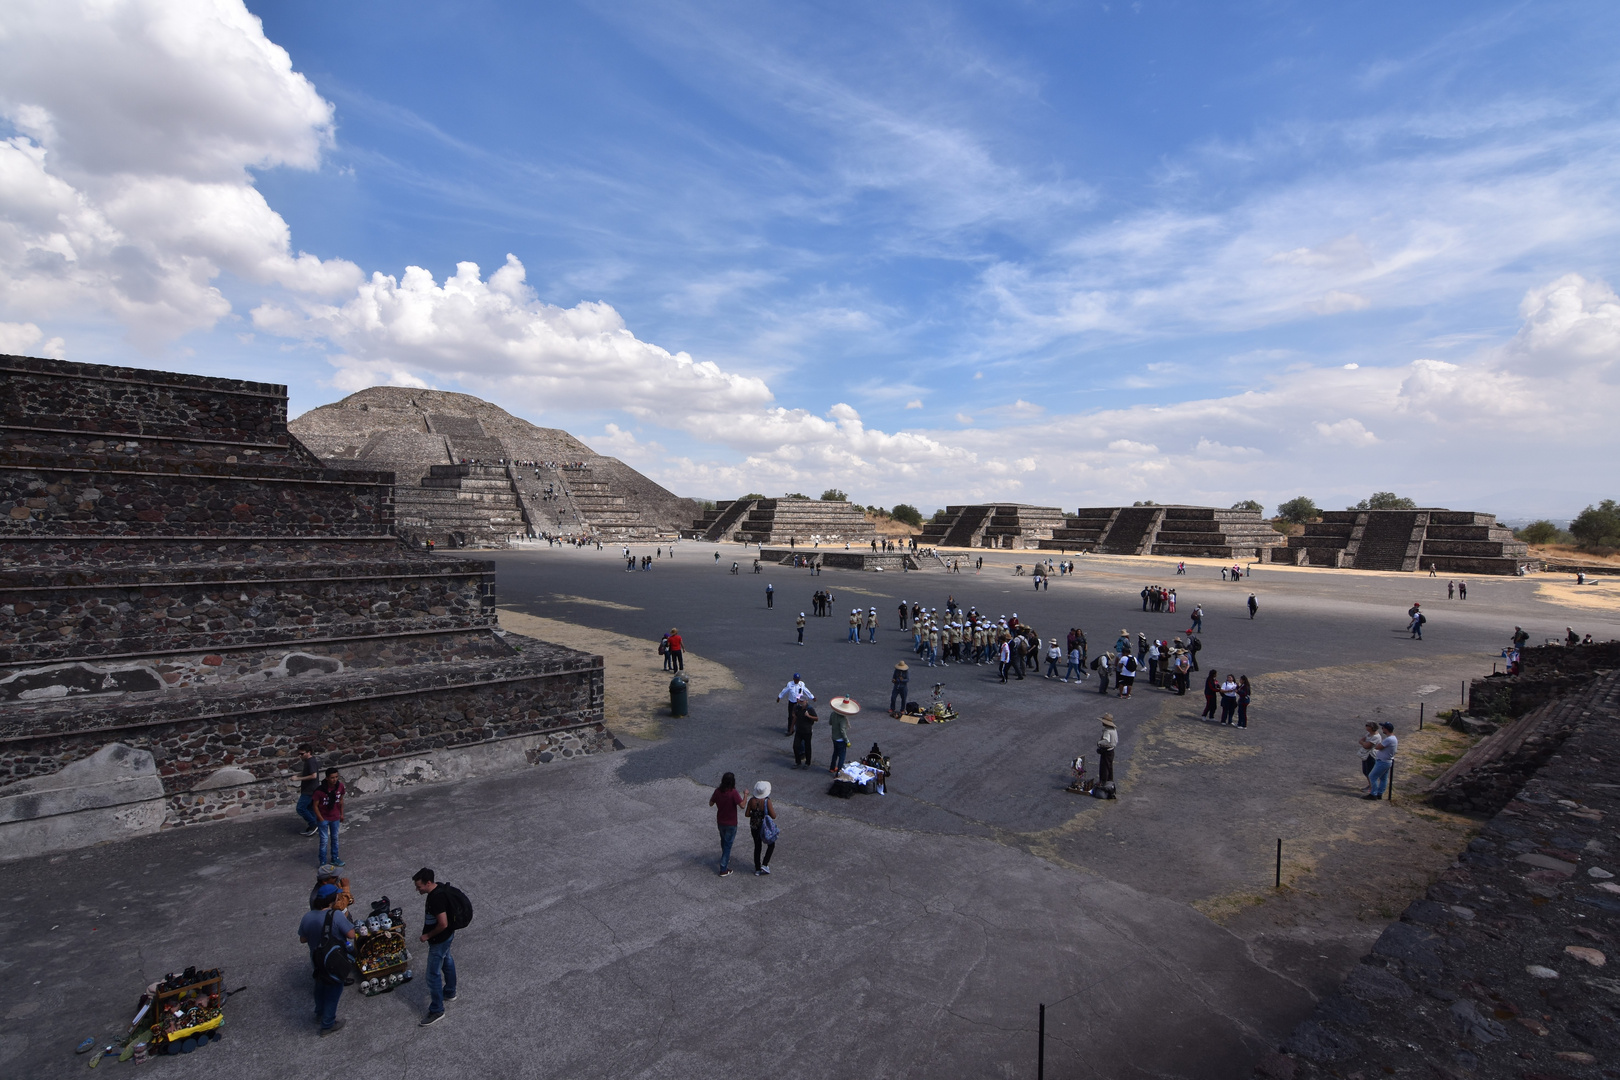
469	472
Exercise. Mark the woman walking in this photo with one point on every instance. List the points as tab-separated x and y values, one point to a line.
1243	701
760	812
725	800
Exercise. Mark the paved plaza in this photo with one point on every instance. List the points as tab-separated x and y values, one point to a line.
912	934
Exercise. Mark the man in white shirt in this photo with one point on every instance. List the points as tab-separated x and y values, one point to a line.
795	691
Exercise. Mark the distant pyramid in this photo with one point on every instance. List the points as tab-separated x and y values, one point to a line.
470	472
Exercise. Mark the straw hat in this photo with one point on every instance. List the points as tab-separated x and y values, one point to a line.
1108	720
762	790
846	705
901	666
1127	633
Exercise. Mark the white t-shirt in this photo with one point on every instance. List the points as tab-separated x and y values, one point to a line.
1386	748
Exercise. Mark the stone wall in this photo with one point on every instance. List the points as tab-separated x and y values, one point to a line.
208	601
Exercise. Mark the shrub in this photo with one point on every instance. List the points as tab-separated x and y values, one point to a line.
1384	500
1249	505
1300	510
1597	526
1539	533
834	495
907	513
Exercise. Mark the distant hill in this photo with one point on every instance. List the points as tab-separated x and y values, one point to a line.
454	461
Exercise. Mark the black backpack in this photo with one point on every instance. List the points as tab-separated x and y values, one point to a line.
460	911
332	958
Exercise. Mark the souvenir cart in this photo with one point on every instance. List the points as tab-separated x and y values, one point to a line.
380	956
186	1011
937	711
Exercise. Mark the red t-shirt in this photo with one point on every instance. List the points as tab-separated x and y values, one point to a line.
675	646
725	804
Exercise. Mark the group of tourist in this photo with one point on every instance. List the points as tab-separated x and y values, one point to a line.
1158	598
821	602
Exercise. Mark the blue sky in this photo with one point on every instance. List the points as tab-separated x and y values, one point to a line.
1047	252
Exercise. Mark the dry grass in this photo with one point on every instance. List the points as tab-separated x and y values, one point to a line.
637	688
1564	553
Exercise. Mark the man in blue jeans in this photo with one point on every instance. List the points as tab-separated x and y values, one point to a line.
311	931
438	933
1383	761
328	806
309	778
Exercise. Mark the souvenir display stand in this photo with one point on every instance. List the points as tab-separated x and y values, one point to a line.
186	1009
380	955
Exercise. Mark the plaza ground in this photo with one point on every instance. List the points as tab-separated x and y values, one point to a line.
912	934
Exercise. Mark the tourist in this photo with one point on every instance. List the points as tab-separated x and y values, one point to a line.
838	726
1212	688
1384	761
323	928
1451	589
770	591
447	910
1416	628
1125	674
1366	745
328	806
1054	656
1006	657
1462	590
759	811
663	650
1197	626
855	626
1243	693
1077	665
871	626
309	768
1229	696
725	800
1254	605
1172	596
677	653
898	684
1194	646
1122	644
795	692
804	722
903	610
1153	662
800	627
1180	666
327	874
1107	743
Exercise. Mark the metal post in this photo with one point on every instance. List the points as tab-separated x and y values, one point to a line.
1040	1048
1420	716
1279	862
1391	795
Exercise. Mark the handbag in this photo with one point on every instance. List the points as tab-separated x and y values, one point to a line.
768	829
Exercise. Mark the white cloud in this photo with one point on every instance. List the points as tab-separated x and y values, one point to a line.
1336	300
16	337
914	403
1349	431
126	190
963	418
1128	446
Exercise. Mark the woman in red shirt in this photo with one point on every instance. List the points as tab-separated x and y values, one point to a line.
725	800
677	660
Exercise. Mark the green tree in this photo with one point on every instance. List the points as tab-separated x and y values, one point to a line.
1300	510
1384	500
1248	504
941	517
754	495
1538	533
1144	502
1597	526
797	495
834	495
907	513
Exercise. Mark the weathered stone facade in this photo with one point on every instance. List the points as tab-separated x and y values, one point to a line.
1186	532
1450	541
181	578
993	525
778	521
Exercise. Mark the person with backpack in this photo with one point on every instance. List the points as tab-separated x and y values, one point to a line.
327	931
448	910
762	824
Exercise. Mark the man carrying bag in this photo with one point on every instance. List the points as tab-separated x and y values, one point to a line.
448	910
328	932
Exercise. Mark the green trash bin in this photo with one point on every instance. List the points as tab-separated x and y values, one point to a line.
677	696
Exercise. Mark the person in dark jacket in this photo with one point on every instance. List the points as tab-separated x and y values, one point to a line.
1212	688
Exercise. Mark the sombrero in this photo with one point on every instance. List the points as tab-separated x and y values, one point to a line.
846	705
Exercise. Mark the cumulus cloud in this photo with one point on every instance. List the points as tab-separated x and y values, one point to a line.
125	189
1349	430
15	338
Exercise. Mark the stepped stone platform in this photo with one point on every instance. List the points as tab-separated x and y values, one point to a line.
1173	531
838	559
993	525
187	593
469	473
1450	541
776	521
